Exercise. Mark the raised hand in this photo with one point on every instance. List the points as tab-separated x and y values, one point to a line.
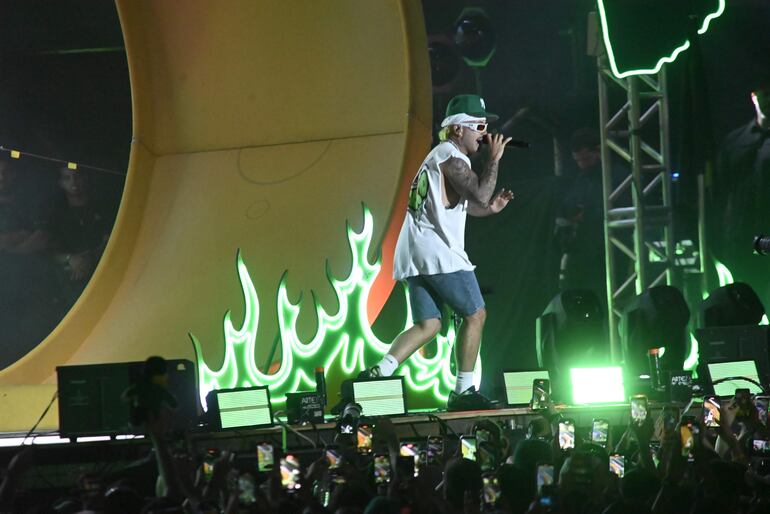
500	200
497	144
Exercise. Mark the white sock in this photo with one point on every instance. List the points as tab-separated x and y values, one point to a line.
464	381
388	365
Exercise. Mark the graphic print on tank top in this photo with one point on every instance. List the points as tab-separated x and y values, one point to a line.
418	192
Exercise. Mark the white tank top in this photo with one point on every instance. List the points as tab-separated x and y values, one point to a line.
432	238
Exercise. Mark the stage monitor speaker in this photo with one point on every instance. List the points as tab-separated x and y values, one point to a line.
721	344
90	397
731	305
656	318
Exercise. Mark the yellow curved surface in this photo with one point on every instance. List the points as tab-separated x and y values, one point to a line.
258	125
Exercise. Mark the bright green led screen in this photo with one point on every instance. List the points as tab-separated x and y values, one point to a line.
597	385
518	385
719	370
247	408
380	397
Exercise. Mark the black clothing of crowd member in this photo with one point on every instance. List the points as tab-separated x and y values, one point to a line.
80	229
51	239
579	224
740	200
24	285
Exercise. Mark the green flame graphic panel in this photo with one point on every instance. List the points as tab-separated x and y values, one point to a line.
343	343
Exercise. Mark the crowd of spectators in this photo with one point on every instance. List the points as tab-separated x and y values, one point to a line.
53	229
648	467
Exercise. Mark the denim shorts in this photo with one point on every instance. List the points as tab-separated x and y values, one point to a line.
459	290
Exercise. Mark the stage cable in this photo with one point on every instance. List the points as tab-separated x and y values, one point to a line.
17	154
443	425
286	427
55	395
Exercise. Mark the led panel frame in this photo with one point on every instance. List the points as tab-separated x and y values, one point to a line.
738	368
244	407
383	396
517	385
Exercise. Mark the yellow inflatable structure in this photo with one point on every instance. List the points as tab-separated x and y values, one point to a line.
257	125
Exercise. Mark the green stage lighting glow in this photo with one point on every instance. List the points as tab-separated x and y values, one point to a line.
597	385
723	273
725	277
677	46
691	361
343	341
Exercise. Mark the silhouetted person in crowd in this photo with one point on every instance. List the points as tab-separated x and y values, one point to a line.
462	485
80	231
149	398
24	288
741	205
579	224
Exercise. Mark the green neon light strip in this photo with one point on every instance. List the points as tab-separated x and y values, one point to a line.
724	275
662	60
342	344
692	360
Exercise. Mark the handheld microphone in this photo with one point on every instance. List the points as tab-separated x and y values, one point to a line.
513	142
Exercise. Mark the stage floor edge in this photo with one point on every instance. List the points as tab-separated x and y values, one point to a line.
47	433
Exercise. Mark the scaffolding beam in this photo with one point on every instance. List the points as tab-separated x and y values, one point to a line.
638	220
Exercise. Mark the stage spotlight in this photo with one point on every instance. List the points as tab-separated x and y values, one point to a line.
731	305
444	63
571	333
597	385
474	37
656	318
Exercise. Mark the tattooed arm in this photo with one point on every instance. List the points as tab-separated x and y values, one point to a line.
495	205
467	184
477	189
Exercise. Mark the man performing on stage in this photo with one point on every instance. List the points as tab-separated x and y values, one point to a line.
430	253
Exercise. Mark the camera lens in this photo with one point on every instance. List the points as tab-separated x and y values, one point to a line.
762	244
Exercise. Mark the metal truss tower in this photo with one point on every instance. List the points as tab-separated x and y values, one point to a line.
638	224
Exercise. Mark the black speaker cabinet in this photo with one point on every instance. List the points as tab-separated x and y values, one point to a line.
90	400
747	342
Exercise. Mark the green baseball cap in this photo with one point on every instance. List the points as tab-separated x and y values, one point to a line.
472	105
